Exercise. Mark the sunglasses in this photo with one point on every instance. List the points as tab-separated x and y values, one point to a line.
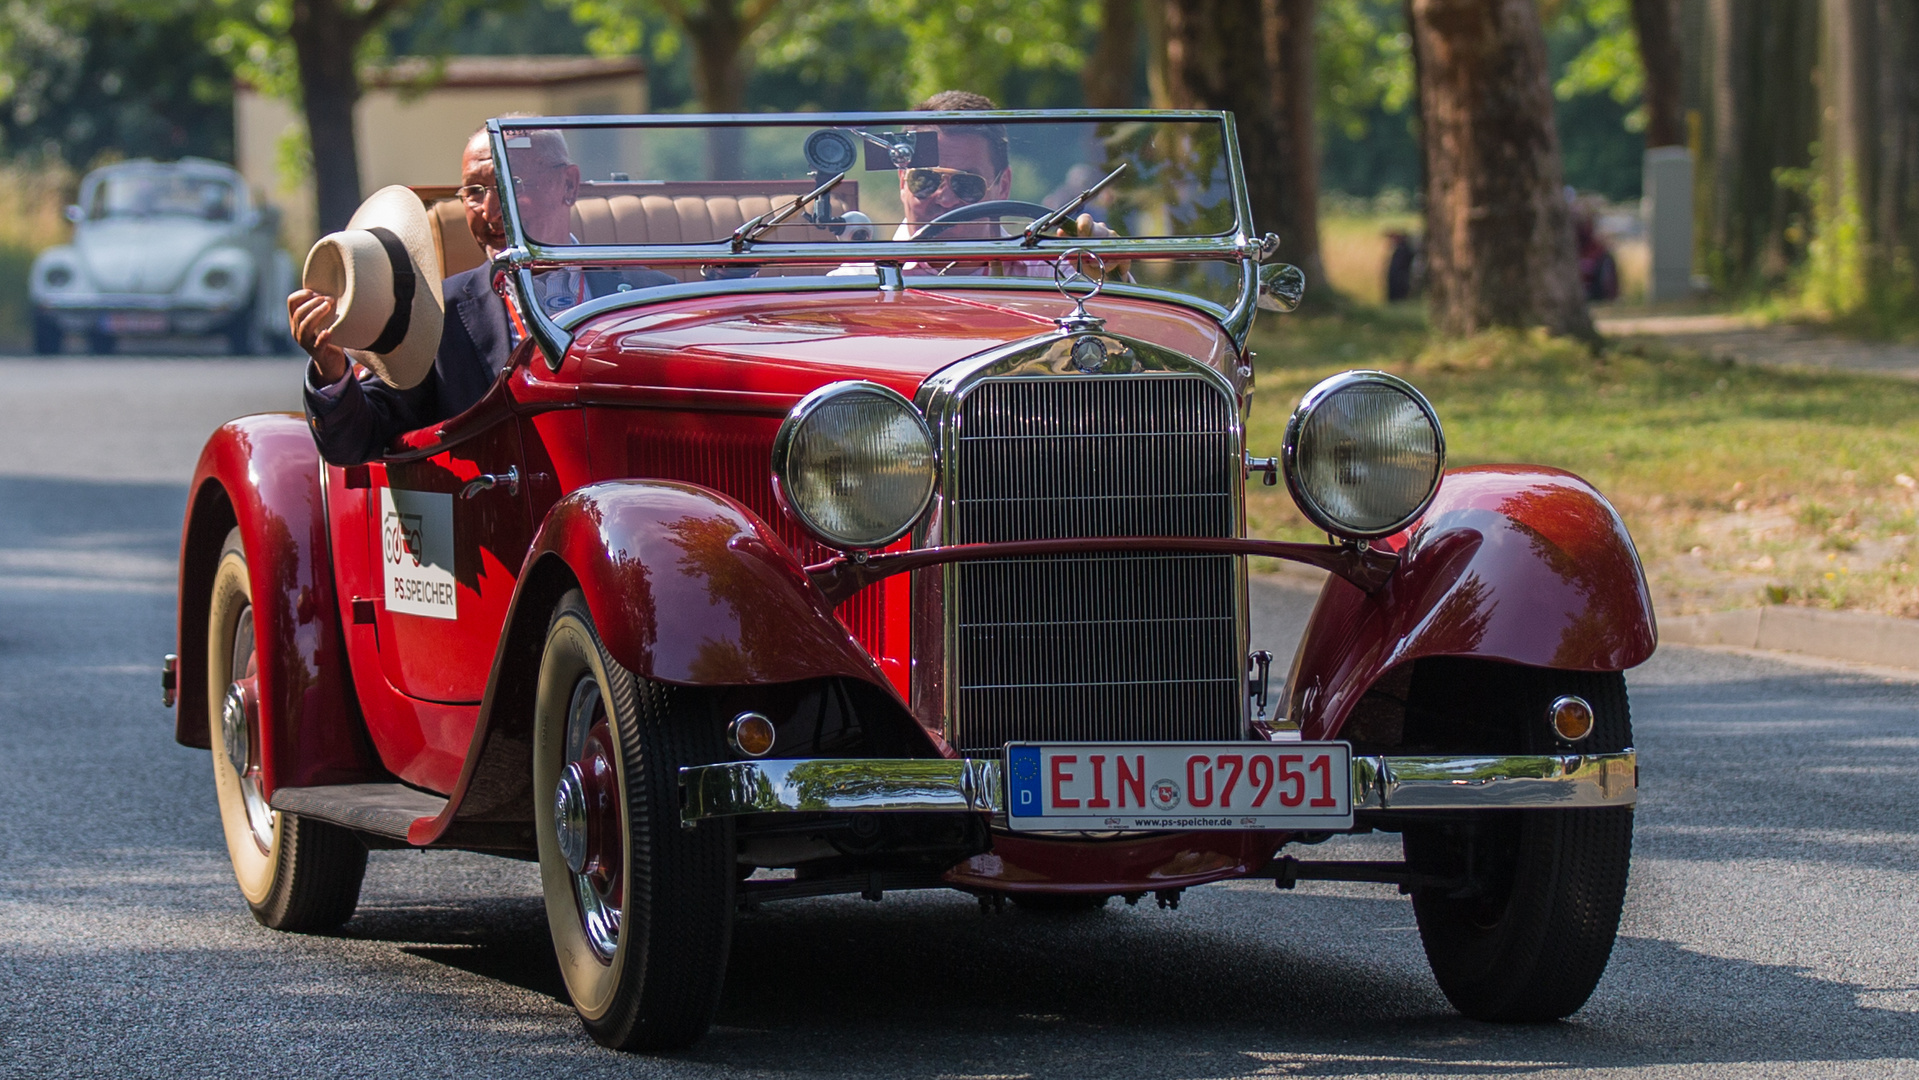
966	187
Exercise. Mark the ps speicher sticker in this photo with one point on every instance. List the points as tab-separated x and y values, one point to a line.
416	550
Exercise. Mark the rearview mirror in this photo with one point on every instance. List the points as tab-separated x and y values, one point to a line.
1281	286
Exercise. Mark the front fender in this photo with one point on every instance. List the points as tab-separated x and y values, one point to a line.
1515	563
685	585
688	586
262	473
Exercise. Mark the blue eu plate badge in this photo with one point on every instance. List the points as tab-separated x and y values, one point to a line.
1022	770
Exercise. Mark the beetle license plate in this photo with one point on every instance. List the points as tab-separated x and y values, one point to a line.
1234	785
135	322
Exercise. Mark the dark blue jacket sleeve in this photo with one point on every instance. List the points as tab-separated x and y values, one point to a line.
367	416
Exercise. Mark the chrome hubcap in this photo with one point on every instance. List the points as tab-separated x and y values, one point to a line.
586	819
233	729
238	715
569	818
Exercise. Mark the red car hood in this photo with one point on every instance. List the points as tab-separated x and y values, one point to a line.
778	347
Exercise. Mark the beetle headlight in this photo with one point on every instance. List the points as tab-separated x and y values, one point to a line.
1363	454
854	462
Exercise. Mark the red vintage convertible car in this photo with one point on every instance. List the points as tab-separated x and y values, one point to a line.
899	542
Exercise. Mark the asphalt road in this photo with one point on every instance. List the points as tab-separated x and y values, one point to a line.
1772	926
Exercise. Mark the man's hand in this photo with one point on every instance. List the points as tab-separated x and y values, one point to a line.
1085	226
311	315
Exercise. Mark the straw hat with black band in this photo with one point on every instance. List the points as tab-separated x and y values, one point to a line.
383	274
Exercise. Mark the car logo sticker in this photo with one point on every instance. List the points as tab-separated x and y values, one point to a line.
416	552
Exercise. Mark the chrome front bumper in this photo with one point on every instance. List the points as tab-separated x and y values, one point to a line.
895	785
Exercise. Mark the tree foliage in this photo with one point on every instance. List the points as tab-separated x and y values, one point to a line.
83	81
1608	61
900	51
1365	59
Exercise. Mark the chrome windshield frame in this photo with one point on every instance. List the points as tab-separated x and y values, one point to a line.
522	258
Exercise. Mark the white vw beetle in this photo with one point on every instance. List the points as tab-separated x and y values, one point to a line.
164	248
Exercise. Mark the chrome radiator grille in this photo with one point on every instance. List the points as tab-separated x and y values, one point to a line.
1101	646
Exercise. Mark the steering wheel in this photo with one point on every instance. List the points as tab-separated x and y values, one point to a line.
973	211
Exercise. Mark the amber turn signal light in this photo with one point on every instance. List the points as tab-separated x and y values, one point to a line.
1572	718
750	734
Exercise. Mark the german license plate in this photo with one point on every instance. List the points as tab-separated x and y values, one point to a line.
135	322
1236	785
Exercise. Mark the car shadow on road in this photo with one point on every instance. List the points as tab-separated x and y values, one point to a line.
1313	986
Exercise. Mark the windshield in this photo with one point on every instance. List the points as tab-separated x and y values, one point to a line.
161	194
934	179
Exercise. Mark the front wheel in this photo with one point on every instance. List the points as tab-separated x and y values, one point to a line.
641	909
1531	939
296	874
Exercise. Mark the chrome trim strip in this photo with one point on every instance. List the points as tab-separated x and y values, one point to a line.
917	785
1472	783
836	119
885	278
819	785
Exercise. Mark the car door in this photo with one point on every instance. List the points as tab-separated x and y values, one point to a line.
451	531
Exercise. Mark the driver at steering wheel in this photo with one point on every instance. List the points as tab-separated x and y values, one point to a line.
974	166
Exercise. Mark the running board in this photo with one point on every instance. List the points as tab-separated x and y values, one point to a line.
382	809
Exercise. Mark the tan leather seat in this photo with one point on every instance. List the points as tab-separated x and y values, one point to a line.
621	212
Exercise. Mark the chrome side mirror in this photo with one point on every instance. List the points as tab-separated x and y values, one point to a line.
1281	287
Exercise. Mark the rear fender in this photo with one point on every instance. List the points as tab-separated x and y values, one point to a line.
1513	563
686	586
262	473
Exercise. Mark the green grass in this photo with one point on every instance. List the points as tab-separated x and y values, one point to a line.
1741	485
16	314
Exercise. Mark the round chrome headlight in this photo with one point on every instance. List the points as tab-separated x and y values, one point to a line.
854	462
1363	454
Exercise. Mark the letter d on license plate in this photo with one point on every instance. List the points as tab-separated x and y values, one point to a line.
1237	785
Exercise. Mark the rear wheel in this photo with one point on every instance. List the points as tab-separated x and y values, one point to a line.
641	909
101	343
296	874
1532	941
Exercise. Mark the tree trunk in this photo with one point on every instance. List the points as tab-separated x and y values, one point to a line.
718	31
1657	24
1761	119
1869	154
1255	60
1499	240
1108	78
326	38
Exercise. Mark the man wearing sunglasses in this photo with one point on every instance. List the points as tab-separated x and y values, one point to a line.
974	166
352	419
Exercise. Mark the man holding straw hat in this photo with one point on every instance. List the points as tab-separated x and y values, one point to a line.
427	350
